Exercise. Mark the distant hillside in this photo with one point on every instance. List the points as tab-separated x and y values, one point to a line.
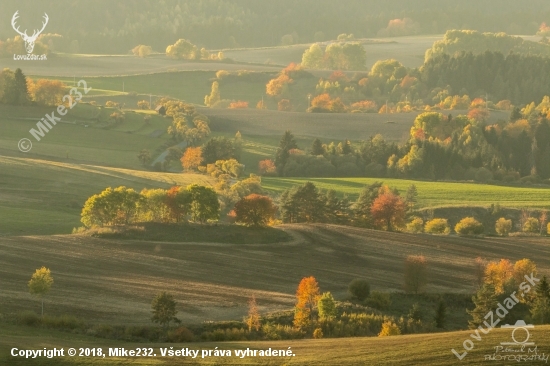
107	28
476	42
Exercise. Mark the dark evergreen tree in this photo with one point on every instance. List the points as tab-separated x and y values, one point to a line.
286	144
485	300
440	314
317	148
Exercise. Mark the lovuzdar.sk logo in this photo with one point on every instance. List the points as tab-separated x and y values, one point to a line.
29	40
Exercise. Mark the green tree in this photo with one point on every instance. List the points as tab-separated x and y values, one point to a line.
219	148
416	273
359	289
326	306
21	90
317	148
412	197
144	157
111	207
164	309
485	300
255	210
540	310
362	207
302	204
469	226
440	314
40	284
204	203
286	144
415	313
313	57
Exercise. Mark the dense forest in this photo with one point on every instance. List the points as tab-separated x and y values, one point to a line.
115	27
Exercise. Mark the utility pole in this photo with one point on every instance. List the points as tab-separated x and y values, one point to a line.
123	86
150	105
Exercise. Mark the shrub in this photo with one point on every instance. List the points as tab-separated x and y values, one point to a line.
359	289
437	226
531	225
62	322
503	226
181	334
416	225
469	226
379	300
28	318
318	333
389	328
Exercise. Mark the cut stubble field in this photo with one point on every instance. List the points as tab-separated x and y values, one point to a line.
114	280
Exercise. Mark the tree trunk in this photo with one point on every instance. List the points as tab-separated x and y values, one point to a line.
42	307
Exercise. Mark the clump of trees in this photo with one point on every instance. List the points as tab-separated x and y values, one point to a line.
122	206
142	51
336	56
255	210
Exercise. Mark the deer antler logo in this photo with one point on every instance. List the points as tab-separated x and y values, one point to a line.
29	40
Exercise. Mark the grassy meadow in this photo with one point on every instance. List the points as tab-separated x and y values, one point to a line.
429	349
430	194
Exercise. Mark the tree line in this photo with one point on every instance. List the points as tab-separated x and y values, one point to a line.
440	147
223	24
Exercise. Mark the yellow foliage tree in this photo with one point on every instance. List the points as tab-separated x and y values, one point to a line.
307	296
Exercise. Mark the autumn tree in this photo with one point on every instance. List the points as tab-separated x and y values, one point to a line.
503	226
267	167
214	97
40	284
498	274
362	207
192	158
416	273
142	51
178	201
307	296
183	49
284	105
522	268
255	210
164	309
47	92
388	210
253	320
143	104
389	328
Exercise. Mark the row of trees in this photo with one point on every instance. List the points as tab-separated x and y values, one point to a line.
17	89
497	280
440	147
122	206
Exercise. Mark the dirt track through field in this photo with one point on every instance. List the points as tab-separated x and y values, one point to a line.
114	280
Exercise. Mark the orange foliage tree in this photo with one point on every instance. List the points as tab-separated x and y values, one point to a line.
238	104
388	210
47	92
255	210
276	87
307	297
479	115
192	158
284	105
267	167
498	273
178	201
